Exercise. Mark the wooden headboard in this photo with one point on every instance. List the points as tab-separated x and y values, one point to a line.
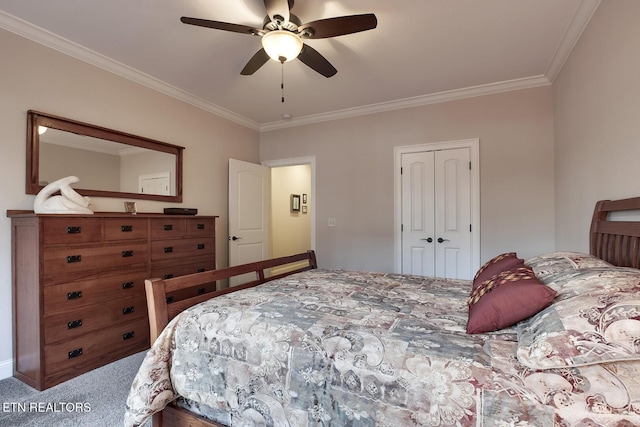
617	242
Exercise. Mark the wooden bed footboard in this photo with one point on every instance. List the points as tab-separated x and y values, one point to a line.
162	309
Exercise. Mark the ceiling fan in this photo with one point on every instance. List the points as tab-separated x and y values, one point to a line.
283	34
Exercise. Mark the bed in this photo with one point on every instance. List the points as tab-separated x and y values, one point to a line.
553	340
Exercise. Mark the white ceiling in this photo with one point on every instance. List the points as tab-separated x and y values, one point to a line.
422	51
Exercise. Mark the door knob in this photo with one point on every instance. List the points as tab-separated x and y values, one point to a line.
440	240
234	238
428	239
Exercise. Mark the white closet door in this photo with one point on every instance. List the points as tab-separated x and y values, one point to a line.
452	181
436	213
418	215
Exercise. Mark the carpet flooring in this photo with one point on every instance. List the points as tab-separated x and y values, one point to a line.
96	398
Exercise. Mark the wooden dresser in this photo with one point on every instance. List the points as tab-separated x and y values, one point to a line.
78	285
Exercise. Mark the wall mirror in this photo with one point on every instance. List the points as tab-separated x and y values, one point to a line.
109	163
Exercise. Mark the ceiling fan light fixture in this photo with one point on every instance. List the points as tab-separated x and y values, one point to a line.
282	45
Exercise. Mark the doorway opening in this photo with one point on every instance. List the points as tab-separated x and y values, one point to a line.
292	226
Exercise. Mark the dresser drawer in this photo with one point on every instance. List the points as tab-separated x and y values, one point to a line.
101	290
81	351
69	260
125	228
68	325
175	270
167	227
200	226
180	248
69	230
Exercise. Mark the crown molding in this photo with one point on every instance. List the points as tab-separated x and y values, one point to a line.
40	35
583	14
578	23
581	18
416	101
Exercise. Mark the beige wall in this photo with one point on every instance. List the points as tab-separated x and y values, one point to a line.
597	120
95	170
354	173
35	77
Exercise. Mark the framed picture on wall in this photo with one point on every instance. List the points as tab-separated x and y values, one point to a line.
295	203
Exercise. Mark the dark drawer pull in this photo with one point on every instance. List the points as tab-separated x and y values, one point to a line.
168	276
201	291
128	310
200	226
128	335
74	295
169	300
168	249
126	228
168	227
74	258
127	254
75	353
200	270
74	230
74	324
127	285
200	246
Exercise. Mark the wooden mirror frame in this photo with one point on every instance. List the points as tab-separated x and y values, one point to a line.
36	119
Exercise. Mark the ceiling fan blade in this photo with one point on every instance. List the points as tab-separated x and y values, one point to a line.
216	25
278	10
256	61
314	60
332	27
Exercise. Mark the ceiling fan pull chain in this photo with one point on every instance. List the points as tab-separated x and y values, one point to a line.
282	80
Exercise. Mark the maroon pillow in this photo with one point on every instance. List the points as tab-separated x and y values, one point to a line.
497	264
506	299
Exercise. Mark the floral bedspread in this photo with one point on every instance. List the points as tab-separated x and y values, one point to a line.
343	348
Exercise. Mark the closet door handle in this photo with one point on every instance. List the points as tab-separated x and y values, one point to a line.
428	240
440	240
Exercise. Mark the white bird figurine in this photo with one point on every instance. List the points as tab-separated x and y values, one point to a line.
68	202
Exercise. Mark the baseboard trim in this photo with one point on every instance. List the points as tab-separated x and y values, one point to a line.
6	369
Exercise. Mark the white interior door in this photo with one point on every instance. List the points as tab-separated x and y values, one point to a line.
418	250
249	214
436	213
453	214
